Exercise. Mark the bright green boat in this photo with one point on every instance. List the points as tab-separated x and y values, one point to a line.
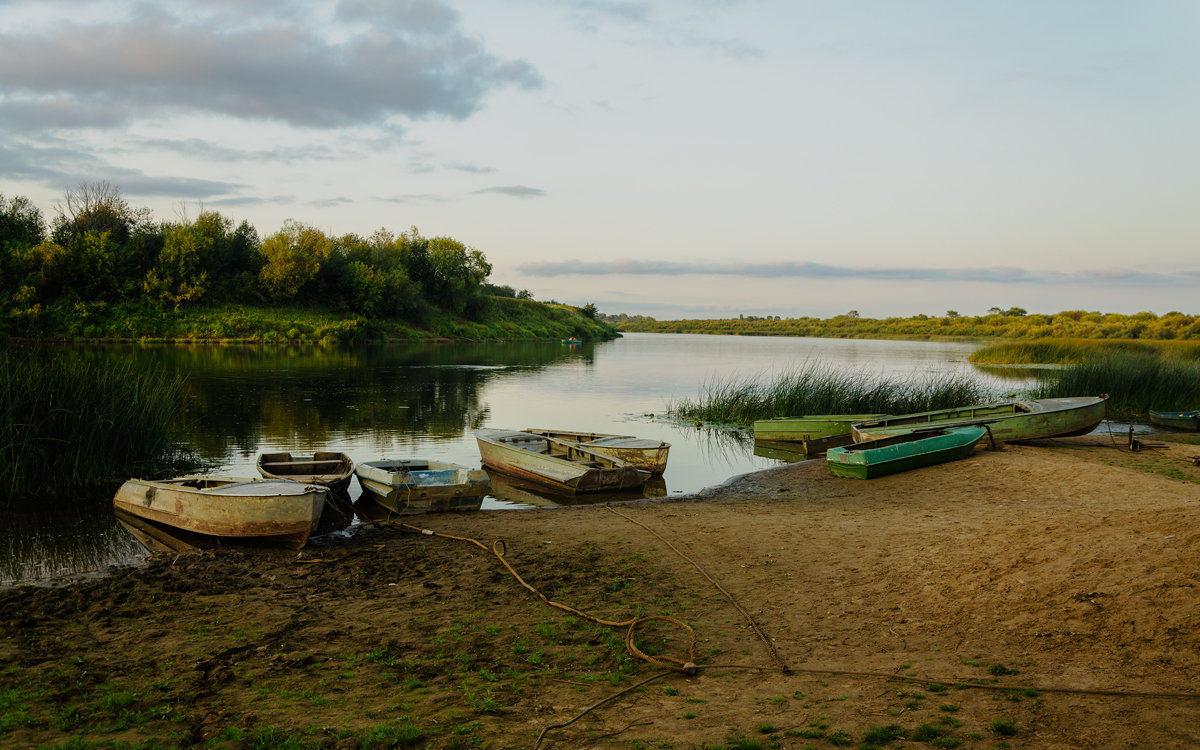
890	455
1177	420
813	427
1009	420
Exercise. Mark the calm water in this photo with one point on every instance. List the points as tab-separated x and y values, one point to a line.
425	400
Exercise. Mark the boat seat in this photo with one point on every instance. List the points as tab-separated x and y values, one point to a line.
323	462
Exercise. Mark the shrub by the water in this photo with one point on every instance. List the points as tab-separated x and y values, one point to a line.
820	389
1135	383
68	423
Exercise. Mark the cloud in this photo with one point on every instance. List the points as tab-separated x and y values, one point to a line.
387	59
801	269
514	191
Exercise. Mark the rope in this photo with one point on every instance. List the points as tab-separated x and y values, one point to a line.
783	667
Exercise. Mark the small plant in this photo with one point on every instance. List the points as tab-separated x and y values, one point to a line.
670	691
765	729
1003	727
999	670
927	733
883	735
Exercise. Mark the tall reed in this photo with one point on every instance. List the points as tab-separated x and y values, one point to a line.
818	388
67	423
1135	383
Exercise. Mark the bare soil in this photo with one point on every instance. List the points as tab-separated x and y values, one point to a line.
1036	596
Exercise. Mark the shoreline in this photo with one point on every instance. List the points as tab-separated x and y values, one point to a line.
1044	589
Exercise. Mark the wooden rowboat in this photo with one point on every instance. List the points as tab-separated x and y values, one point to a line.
812	427
334	470
411	486
1188	421
1009	420
644	453
565	466
275	510
876	458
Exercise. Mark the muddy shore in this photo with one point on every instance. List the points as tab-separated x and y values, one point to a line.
1036	596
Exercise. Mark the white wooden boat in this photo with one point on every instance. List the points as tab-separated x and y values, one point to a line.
332	469
410	486
275	510
644	453
565	466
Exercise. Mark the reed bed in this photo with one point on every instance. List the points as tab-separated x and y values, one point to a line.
1135	383
68	424
817	388
1074	351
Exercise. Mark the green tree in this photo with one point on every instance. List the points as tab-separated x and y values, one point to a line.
21	223
588	310
97	207
292	257
178	275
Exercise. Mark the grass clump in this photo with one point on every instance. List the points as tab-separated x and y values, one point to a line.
817	388
1135	383
69	423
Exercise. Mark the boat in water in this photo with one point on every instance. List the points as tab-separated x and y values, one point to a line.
913	450
410	486
265	510
1186	421
566	466
811	427
332	469
1007	420
644	453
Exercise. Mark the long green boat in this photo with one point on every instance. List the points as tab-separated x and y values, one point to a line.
890	455
1008	420
1188	421
813	426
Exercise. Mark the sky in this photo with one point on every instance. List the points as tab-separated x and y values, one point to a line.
673	158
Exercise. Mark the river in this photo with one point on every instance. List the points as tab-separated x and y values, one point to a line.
425	400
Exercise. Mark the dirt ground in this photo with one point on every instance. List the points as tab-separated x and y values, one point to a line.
1036	596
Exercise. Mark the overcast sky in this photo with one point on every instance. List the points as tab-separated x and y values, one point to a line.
683	158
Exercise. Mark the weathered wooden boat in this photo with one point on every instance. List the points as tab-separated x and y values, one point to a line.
813	427
644	453
411	486
799	450
566	466
1007	420
1188	421
332	469
890	455
274	510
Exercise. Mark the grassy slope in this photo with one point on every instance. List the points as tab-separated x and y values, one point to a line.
508	319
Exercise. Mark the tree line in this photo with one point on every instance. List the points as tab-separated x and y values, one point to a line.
100	249
1012	323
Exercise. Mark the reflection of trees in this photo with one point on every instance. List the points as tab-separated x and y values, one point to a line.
240	395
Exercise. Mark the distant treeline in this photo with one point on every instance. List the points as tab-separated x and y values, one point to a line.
1014	323
99	251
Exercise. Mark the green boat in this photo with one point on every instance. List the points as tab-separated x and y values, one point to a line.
890	455
1188	421
1008	420
812	427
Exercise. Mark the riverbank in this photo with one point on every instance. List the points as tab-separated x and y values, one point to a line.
1036	596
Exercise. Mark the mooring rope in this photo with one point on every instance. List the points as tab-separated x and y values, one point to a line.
783	667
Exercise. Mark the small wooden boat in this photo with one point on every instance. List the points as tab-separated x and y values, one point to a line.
565	466
334	470
813	427
1188	421
644	453
1009	420
411	486
276	510
877	458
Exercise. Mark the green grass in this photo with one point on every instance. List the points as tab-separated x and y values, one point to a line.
67	422
818	388
1135	383
1074	351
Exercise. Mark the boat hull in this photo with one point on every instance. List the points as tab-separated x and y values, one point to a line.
411	487
564	466
1007	421
644	453
812	427
891	455
1186	421
334	470
245	509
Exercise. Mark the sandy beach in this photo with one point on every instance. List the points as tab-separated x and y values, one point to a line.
1034	596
